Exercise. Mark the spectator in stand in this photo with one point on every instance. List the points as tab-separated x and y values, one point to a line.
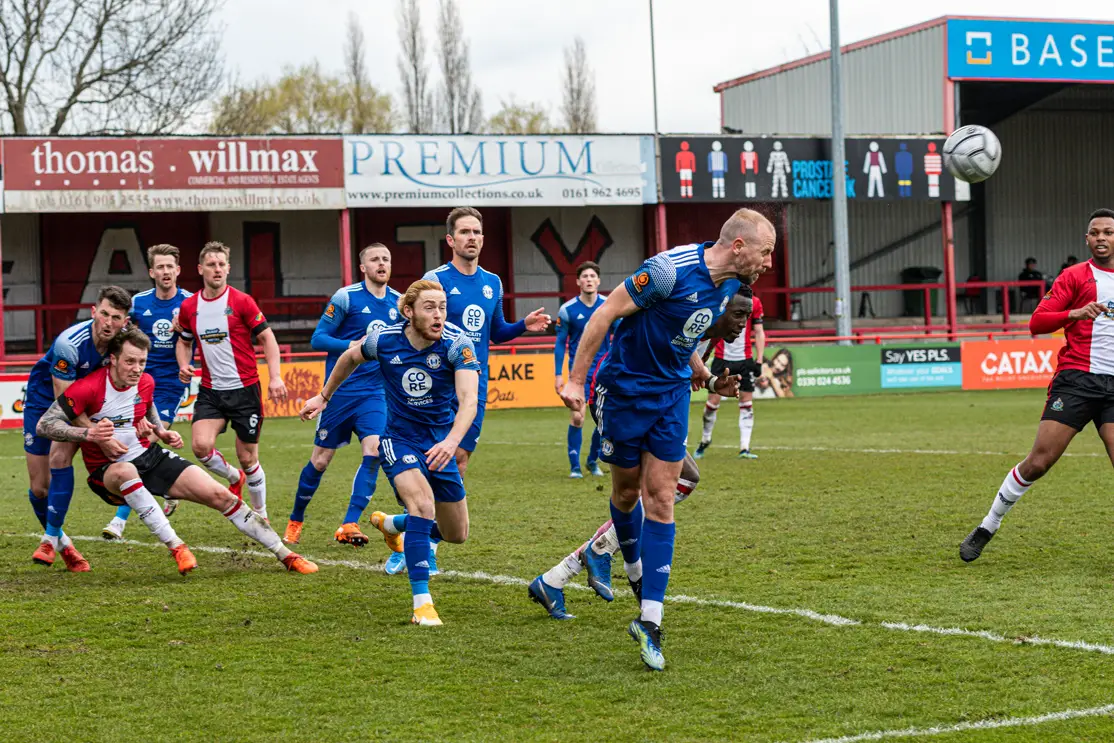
1030	273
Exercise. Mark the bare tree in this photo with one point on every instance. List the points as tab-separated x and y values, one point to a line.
461	109
106	66
417	94
578	88
370	110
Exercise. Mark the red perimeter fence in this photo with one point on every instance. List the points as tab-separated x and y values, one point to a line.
308	307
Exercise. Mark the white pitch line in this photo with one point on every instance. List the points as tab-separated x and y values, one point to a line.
1009	722
509	580
835	449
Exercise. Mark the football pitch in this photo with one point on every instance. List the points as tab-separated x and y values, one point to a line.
816	594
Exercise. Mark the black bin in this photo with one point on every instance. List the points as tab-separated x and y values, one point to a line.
913	299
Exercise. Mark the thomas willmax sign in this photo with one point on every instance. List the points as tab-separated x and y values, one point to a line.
171	175
741	168
498	170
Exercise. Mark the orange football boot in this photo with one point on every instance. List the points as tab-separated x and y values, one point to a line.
185	559
75	563
238	488
394	541
298	564
293	532
44	555
350	534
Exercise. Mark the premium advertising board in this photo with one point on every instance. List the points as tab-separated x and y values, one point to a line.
171	174
520	170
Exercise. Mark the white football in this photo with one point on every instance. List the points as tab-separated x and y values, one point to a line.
972	153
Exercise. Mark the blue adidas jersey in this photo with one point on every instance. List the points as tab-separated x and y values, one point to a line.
475	304
420	385
572	318
352	313
155	317
72	356
678	301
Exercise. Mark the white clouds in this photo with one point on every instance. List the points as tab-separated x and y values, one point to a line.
517	46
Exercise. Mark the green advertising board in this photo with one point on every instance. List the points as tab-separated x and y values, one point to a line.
815	371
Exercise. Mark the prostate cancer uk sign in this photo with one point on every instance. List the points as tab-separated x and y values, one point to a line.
1030	50
418	170
171	174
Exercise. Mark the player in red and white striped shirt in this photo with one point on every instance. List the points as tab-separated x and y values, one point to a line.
744	359
225	322
1081	302
111	414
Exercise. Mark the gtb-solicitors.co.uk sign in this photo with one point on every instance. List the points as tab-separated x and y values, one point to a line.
1030	50
421	170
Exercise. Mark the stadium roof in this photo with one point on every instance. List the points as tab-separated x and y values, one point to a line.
770	71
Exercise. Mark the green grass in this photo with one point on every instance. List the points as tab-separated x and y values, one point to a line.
241	650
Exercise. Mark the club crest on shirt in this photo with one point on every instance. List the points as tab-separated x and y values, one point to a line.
137	399
393	314
1109	314
641	279
228	310
488	293
433	361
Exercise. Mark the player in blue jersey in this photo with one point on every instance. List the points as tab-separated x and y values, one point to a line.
154	312
75	353
643	389
572	318
359	405
429	370
475	303
548	589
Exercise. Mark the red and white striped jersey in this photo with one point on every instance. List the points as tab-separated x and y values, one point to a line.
1089	345
742	348
225	328
97	397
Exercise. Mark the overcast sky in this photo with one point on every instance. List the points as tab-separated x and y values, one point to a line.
517	44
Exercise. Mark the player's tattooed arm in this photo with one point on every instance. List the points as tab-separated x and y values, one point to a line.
55	426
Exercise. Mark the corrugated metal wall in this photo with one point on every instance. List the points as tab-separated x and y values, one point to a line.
894	87
1055	171
872	225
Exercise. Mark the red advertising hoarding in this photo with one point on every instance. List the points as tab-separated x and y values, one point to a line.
177	174
1010	364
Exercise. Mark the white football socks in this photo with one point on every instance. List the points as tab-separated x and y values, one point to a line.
746	425
257	488
149	512
218	465
1013	487
254	527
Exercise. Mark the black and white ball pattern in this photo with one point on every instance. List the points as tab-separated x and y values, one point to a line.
972	153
